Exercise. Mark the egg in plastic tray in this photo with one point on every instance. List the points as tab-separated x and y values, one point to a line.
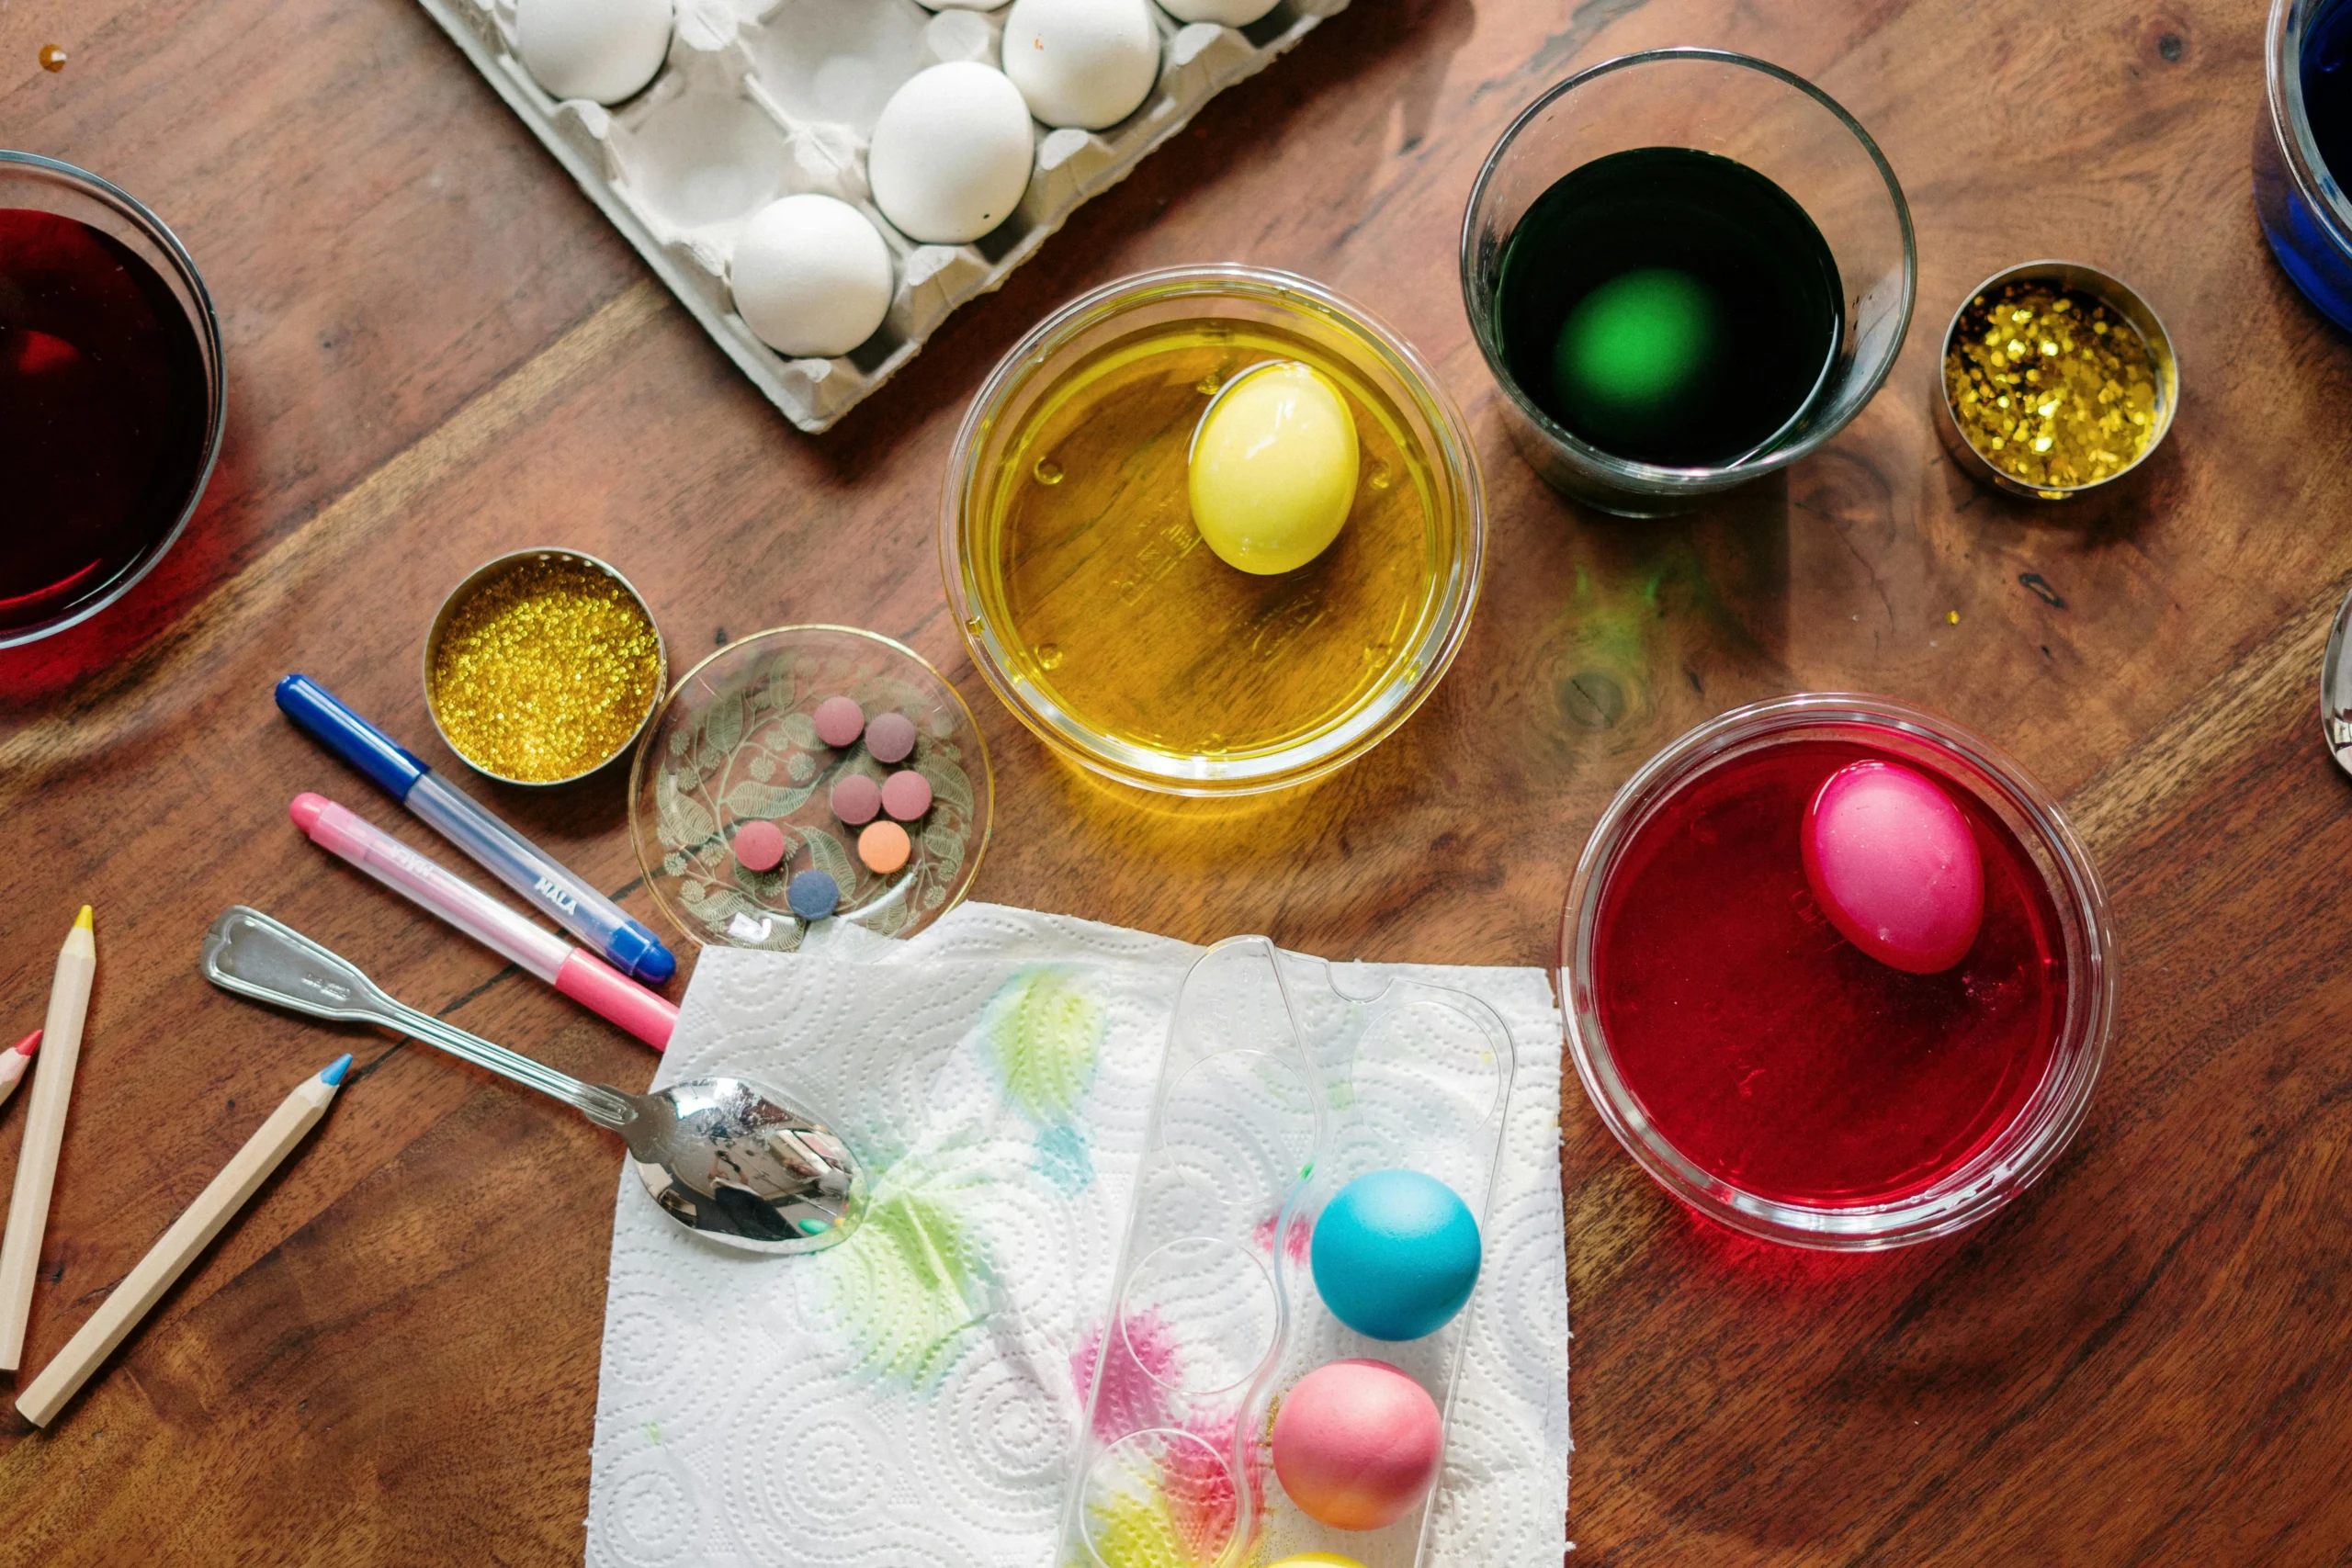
733	121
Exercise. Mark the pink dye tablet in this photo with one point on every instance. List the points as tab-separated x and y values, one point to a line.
1357	1444
906	795
1892	862
857	799
891	739
839	721
759	846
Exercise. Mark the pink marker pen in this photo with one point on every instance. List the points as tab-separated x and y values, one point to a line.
576	971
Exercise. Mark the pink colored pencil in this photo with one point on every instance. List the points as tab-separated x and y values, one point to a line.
13	1063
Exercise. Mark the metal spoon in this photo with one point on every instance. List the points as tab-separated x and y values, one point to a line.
2336	689
734	1161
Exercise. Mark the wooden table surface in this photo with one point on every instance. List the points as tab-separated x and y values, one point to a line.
437	351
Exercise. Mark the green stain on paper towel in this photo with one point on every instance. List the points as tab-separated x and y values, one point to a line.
906	1289
1043	1033
1138	1531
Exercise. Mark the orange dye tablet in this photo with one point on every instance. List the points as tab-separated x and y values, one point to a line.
884	847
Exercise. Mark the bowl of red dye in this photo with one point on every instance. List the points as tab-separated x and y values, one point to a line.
110	394
1773	1076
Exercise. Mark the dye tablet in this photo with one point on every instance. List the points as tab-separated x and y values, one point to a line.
891	739
1395	1254
759	846
839	722
857	799
1892	862
906	795
1356	1444
813	895
884	847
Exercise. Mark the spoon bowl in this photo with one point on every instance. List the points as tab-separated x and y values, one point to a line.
725	1158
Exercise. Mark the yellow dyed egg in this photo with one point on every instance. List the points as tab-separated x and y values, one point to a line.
1318	1559
1272	469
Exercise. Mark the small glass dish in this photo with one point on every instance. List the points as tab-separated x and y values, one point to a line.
1083	592
2071	277
491	572
2301	203
2010	1154
30	183
735	742
1778	125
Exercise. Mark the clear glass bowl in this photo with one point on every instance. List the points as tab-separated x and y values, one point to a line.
2017	1155
1776	123
736	741
1249	301
29	182
2305	213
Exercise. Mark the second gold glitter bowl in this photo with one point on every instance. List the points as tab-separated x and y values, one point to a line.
591	736
2074	277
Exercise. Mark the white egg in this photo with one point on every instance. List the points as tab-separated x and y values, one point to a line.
951	153
1082	63
1225	13
604	50
810	276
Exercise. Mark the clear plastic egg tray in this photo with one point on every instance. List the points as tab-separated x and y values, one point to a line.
767	98
1285	1079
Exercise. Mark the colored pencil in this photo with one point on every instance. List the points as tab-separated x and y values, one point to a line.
190	1234
14	1063
69	1006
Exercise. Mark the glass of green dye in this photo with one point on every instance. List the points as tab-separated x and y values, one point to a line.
1687	268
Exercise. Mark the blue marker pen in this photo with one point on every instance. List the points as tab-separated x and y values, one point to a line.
579	908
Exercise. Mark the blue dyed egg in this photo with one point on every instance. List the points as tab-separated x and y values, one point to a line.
1395	1254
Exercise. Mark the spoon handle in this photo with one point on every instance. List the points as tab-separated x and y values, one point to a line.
607	1107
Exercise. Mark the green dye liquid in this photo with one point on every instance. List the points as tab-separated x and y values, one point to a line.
1671	307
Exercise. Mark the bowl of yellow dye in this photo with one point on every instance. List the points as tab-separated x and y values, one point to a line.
1093	603
542	667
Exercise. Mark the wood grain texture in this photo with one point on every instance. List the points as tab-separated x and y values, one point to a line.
436	352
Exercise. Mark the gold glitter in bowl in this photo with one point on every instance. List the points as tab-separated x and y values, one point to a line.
2056	380
542	667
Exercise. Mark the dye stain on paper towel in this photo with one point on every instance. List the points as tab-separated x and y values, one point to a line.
1042	1034
907	1288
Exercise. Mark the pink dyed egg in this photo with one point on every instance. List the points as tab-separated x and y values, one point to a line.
1892	862
1357	1444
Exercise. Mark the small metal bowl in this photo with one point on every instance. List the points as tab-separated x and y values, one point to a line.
484	573
2117	297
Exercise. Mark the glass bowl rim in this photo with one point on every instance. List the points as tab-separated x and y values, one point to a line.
1458	455
2291	124
1653	477
649	866
1996	1175
206	321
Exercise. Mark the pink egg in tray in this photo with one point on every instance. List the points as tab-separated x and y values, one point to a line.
733	791
1253	1431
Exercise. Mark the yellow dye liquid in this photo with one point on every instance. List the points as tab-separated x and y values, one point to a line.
1118	613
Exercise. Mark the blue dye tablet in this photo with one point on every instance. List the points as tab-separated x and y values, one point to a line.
1395	1254
813	895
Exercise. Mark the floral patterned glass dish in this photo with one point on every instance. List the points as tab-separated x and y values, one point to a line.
735	742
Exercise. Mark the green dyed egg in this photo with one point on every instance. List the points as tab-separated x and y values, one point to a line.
1632	350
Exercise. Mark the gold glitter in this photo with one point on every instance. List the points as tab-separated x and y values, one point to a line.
52	58
2043	400
544	671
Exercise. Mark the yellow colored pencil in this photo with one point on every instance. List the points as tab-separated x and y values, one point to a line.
176	1249
69	1006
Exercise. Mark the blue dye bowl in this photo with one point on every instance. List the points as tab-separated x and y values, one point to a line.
2305	213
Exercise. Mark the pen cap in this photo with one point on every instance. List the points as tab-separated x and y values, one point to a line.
317	714
637	953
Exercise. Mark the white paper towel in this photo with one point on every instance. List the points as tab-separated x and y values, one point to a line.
907	1400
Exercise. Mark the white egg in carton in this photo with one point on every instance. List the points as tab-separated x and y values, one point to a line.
757	101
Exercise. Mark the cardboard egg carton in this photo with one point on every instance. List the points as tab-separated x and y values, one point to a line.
767	98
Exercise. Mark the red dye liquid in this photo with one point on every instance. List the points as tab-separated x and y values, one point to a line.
1776	1055
103	414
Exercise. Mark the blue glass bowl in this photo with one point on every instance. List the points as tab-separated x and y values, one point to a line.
2305	213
